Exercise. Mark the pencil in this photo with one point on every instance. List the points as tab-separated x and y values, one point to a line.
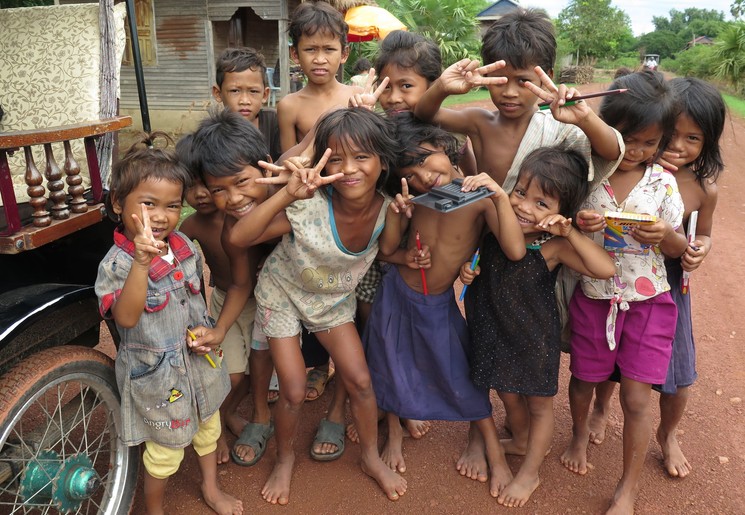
547	105
424	277
474	264
692	222
194	338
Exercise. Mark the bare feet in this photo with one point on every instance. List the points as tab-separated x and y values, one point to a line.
352	433
393	485
500	476
513	447
675	462
517	493
223	451
416	428
276	490
621	504
472	463
393	452
575	457
597	423
221	502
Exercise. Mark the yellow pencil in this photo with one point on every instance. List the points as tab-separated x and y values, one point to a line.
194	338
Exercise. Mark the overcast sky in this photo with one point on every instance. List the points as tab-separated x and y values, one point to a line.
640	11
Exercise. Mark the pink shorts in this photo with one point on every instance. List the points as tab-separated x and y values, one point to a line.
644	336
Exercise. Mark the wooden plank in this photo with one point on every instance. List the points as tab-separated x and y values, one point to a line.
18	139
31	237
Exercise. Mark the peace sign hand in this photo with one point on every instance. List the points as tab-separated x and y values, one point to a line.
402	201
466	74
146	246
369	97
305	181
558	96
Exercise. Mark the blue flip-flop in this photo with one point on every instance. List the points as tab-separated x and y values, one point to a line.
255	436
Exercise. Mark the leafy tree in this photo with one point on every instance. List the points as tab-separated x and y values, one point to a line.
595	28
663	42
729	51
697	61
737	9
450	23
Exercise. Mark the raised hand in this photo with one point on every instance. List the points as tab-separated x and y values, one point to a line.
589	220
558	96
306	180
402	201
146	246
272	170
370	95
467	74
557	225
474	182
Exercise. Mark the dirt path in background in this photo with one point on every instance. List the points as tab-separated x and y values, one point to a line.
712	432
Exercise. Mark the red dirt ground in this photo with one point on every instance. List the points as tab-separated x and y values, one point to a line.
712	432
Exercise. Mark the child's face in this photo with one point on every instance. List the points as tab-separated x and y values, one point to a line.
687	141
361	168
320	56
405	88
198	197
434	170
243	93
531	204
512	98
641	146
161	197
236	195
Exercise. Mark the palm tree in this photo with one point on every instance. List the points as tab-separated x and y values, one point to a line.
729	50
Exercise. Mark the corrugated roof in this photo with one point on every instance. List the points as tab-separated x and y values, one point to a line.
498	9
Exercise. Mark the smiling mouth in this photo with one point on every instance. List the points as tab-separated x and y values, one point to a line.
241	211
523	220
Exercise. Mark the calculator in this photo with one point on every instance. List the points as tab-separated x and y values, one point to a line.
449	197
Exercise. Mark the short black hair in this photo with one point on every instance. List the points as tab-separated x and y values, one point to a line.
705	106
225	143
560	173
368	130
362	65
524	38
236	60
649	100
412	51
311	17
412	133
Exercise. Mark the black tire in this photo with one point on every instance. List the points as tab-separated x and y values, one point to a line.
34	422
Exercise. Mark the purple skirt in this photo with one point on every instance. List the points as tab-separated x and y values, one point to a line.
416	347
682	368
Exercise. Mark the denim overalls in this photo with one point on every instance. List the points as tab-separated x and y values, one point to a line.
165	389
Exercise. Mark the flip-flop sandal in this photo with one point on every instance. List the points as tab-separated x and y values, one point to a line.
329	432
317	380
255	436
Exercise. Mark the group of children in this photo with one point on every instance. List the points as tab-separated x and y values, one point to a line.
328	240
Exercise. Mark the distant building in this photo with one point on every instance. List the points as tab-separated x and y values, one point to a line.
701	40
494	12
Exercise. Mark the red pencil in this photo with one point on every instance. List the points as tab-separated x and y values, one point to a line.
571	101
424	277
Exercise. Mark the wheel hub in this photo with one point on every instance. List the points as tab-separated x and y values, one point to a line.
67	483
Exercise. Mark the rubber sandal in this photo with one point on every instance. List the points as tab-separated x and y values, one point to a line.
329	432
317	380
255	436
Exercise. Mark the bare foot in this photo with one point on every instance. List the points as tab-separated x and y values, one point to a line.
393	485
597	423
621	505
276	490
575	457
416	428
472	463
352	433
517	493
235	423
223	451
500	477
221	502
393	451
675	462
513	447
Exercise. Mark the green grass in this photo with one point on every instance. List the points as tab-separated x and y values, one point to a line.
471	96
735	104
185	212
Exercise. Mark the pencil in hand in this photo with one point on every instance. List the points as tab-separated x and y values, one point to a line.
547	105
424	276
474	264
194	338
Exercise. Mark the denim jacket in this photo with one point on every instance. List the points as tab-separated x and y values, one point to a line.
165	389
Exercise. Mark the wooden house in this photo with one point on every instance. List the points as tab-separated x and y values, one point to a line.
494	12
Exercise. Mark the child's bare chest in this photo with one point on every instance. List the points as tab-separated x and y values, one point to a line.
496	157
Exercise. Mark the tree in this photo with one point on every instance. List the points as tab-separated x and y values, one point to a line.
450	23
729	51
594	27
737	8
663	42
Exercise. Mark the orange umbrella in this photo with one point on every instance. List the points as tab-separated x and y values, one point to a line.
368	22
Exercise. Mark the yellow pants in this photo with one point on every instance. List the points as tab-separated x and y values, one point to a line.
163	462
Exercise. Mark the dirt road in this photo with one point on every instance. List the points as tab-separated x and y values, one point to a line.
712	432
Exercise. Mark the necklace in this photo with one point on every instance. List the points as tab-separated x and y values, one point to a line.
536	244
